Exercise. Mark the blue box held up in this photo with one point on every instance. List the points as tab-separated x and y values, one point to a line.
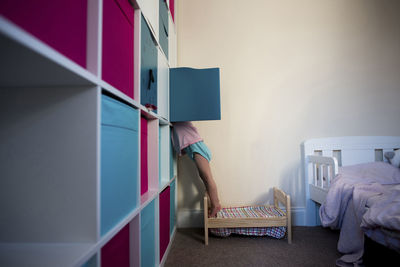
194	94
119	187
148	67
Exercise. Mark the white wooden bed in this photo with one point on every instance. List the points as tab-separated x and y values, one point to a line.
273	221
323	156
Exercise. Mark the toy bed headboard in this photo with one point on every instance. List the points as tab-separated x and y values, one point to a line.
348	150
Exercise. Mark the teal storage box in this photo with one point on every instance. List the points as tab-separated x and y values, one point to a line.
163	26
119	186
147	231
194	94
148	68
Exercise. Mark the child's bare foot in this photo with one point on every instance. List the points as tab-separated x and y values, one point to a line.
214	210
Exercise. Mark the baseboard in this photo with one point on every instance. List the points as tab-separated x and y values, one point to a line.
299	216
190	218
194	218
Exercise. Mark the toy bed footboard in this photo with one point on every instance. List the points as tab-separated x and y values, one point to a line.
284	219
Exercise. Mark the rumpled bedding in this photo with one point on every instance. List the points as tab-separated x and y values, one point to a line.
381	221
362	198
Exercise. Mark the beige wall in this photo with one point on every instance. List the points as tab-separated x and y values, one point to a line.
290	71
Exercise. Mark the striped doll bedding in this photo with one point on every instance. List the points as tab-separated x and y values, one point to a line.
250	212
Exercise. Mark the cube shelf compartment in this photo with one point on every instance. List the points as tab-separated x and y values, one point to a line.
144	169
163	26
173	206
172	8
48	183
28	62
150	10
164	148
48	188
164	207
72	150
148	229
116	251
119	162
148	67
153	155
92	262
172	159
117	45
163	88
68	30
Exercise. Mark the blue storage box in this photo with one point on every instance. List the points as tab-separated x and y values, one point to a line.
147	231
163	26
119	188
194	94
148	68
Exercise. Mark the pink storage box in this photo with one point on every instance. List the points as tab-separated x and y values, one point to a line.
117	45
60	24
116	251
164	220
172	9
144	172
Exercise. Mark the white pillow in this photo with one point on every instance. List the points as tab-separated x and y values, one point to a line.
394	157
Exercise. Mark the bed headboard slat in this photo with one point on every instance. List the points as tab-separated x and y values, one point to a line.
353	157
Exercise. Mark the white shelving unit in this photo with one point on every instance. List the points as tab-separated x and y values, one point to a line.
51	116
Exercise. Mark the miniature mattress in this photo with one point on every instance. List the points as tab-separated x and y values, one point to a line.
250	212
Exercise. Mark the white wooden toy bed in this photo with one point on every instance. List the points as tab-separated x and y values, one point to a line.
362	200
252	217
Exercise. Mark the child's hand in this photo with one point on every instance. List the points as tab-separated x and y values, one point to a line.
214	210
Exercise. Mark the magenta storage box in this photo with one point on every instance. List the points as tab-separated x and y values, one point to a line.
144	172
117	45
164	220
116	251
60	24
172	8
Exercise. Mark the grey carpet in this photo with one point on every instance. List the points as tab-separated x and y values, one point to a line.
311	246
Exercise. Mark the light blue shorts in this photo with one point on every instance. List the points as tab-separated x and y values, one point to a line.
199	148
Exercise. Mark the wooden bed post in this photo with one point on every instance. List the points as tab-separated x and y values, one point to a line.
289	219
281	197
205	220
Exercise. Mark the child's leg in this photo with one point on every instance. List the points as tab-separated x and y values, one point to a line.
205	174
